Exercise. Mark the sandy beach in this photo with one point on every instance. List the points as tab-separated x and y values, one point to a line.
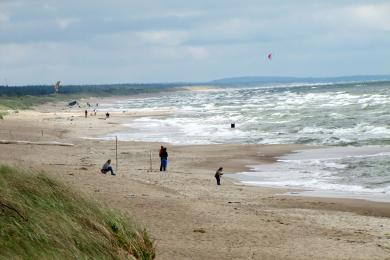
185	212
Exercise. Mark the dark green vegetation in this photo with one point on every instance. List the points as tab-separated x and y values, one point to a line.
90	90
42	219
24	97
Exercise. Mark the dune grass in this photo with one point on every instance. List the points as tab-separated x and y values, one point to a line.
26	102
42	219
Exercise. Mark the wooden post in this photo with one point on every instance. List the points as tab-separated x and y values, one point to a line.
150	160
116	153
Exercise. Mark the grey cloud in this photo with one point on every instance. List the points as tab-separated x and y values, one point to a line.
122	40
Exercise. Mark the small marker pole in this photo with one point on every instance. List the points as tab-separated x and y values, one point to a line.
116	152
150	160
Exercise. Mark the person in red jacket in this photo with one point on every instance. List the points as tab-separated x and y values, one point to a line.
159	154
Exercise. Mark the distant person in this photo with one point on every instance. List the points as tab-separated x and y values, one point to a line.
86	113
164	159
107	168
94	112
218	175
107	115
160	154
161	151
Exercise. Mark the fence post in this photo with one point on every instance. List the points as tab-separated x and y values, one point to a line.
150	160
116	153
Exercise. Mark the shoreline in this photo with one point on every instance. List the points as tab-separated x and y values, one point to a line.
237	221
268	154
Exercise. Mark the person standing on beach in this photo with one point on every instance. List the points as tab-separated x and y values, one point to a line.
218	175
86	113
164	159
159	154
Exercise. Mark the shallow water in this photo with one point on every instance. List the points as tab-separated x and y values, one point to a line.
360	171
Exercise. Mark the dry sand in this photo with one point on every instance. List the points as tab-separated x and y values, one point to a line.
183	209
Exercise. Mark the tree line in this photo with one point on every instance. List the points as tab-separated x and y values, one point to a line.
110	89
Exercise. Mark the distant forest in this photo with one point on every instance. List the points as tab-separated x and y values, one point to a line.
112	89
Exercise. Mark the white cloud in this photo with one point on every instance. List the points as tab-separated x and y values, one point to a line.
49	7
236	27
162	37
373	15
64	23
184	14
197	52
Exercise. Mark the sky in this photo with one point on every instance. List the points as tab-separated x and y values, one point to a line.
129	41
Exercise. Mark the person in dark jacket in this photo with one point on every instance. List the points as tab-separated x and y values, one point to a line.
218	175
107	168
164	159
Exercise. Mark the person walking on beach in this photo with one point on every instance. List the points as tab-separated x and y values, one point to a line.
107	168
164	159
218	175
86	113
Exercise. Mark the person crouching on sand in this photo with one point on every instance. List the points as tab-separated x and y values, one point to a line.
107	168
218	175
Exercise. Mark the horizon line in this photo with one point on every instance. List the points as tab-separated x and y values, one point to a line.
214	81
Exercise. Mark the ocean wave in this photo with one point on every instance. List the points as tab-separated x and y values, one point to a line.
334	115
354	170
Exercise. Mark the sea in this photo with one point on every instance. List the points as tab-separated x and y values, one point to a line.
346	125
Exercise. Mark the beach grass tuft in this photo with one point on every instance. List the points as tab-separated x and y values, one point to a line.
41	218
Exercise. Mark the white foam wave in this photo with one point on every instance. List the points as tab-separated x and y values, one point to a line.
326	169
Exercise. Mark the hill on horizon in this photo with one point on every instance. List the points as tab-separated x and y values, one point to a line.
287	79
